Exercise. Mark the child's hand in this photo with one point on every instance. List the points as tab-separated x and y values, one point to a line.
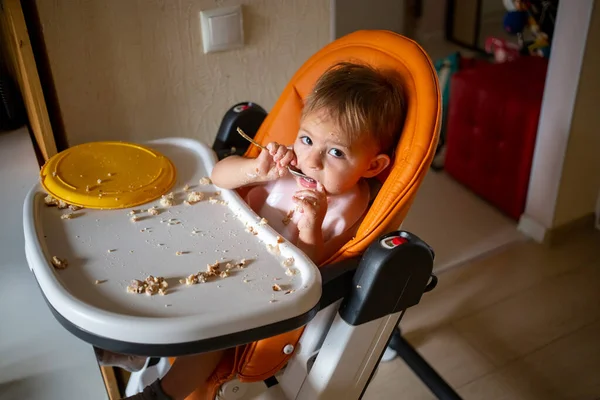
312	204
273	162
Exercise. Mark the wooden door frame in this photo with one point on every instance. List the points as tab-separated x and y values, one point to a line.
23	64
449	28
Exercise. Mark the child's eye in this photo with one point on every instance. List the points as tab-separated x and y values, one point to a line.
306	140
336	153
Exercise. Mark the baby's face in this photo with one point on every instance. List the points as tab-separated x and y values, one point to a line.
328	156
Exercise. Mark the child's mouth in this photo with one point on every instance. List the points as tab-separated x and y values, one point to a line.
307	182
304	179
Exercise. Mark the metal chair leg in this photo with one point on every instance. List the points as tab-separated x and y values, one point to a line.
438	386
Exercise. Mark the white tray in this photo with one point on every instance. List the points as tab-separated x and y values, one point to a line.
222	306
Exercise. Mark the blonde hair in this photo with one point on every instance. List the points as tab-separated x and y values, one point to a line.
362	101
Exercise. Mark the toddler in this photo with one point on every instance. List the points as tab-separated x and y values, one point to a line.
349	127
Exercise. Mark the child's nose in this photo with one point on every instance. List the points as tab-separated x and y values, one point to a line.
315	160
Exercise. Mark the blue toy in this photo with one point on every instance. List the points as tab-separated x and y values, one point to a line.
515	21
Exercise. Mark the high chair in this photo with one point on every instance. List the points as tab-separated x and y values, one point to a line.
371	281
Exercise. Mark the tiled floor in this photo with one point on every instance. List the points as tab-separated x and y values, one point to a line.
522	324
460	227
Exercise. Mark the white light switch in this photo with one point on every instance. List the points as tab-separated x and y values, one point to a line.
222	29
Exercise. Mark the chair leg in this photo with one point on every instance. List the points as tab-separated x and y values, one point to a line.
421	368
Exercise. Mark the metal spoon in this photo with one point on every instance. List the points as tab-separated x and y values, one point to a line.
292	171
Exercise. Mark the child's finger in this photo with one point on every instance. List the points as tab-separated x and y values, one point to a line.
304	193
273	147
321	196
287	159
306	200
304	208
281	150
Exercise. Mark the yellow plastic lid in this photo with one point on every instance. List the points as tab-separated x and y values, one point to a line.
108	175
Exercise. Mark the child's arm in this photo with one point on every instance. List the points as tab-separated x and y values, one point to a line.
234	171
310	241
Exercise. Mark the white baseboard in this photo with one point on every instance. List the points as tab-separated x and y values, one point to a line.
532	228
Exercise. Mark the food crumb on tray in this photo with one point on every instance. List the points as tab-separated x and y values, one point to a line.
50	201
213	270
195	197
99	281
214	200
276	288
150	286
153	211
167	200
288	262
59	263
274	249
205	181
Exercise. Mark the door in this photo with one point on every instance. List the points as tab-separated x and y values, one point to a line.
21	62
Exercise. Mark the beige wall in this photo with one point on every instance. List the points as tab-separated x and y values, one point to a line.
352	15
563	169
135	69
580	180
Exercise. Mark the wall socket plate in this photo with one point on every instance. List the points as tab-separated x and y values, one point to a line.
222	29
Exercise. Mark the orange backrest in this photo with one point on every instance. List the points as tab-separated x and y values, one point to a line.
414	153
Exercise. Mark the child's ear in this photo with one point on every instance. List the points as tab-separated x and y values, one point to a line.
377	165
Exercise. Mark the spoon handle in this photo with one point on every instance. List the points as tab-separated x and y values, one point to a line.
248	138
